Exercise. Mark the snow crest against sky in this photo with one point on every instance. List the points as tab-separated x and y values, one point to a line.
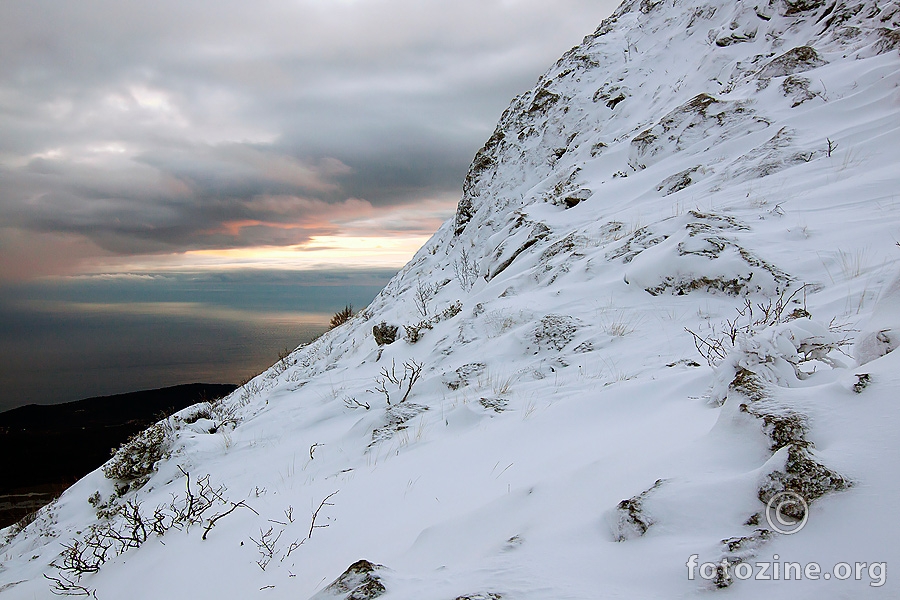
136	136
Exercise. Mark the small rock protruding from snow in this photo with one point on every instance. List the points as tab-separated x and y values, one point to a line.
359	582
631	519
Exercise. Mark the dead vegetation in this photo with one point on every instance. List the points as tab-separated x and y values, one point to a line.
135	460
125	526
751	317
384	334
403	381
340	317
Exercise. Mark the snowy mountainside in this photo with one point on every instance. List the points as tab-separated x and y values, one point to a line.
671	291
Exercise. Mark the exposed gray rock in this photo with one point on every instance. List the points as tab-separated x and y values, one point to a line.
464	375
396	417
359	582
555	331
631	520
795	60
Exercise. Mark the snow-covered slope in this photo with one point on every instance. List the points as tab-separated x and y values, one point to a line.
670	292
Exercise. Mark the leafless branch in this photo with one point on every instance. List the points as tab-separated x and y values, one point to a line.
412	371
212	520
315	514
266	545
67	586
422	296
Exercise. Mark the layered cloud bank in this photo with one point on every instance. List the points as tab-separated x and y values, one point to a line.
156	130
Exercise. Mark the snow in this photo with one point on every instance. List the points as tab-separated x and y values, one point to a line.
592	233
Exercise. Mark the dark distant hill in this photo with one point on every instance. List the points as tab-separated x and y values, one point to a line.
46	448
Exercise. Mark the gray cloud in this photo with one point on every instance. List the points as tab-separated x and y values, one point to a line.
169	126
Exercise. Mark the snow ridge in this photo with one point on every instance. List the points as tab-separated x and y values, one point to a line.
669	293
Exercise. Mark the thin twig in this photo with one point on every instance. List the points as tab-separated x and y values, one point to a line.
315	514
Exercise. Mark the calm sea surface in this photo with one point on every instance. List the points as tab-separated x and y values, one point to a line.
63	340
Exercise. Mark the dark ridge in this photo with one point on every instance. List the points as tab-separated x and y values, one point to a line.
46	448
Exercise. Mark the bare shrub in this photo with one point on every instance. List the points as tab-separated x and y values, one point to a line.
384	334
751	317
250	388
126	526
68	586
466	270
135	460
20	525
226	413
325	502
285	361
404	382
413	333
424	293
266	544
341	316
352	403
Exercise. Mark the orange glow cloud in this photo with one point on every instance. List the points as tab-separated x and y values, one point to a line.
330	251
353	234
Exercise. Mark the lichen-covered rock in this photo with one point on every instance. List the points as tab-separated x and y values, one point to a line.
703	118
359	582
630	519
736	37
396	417
795	60
803	475
782	425
697	253
555	331
637	242
889	40
793	7
797	88
778	153
787	429
464	375
495	403
518	243
679	181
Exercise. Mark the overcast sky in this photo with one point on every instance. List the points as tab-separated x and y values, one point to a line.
183	134
166	166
